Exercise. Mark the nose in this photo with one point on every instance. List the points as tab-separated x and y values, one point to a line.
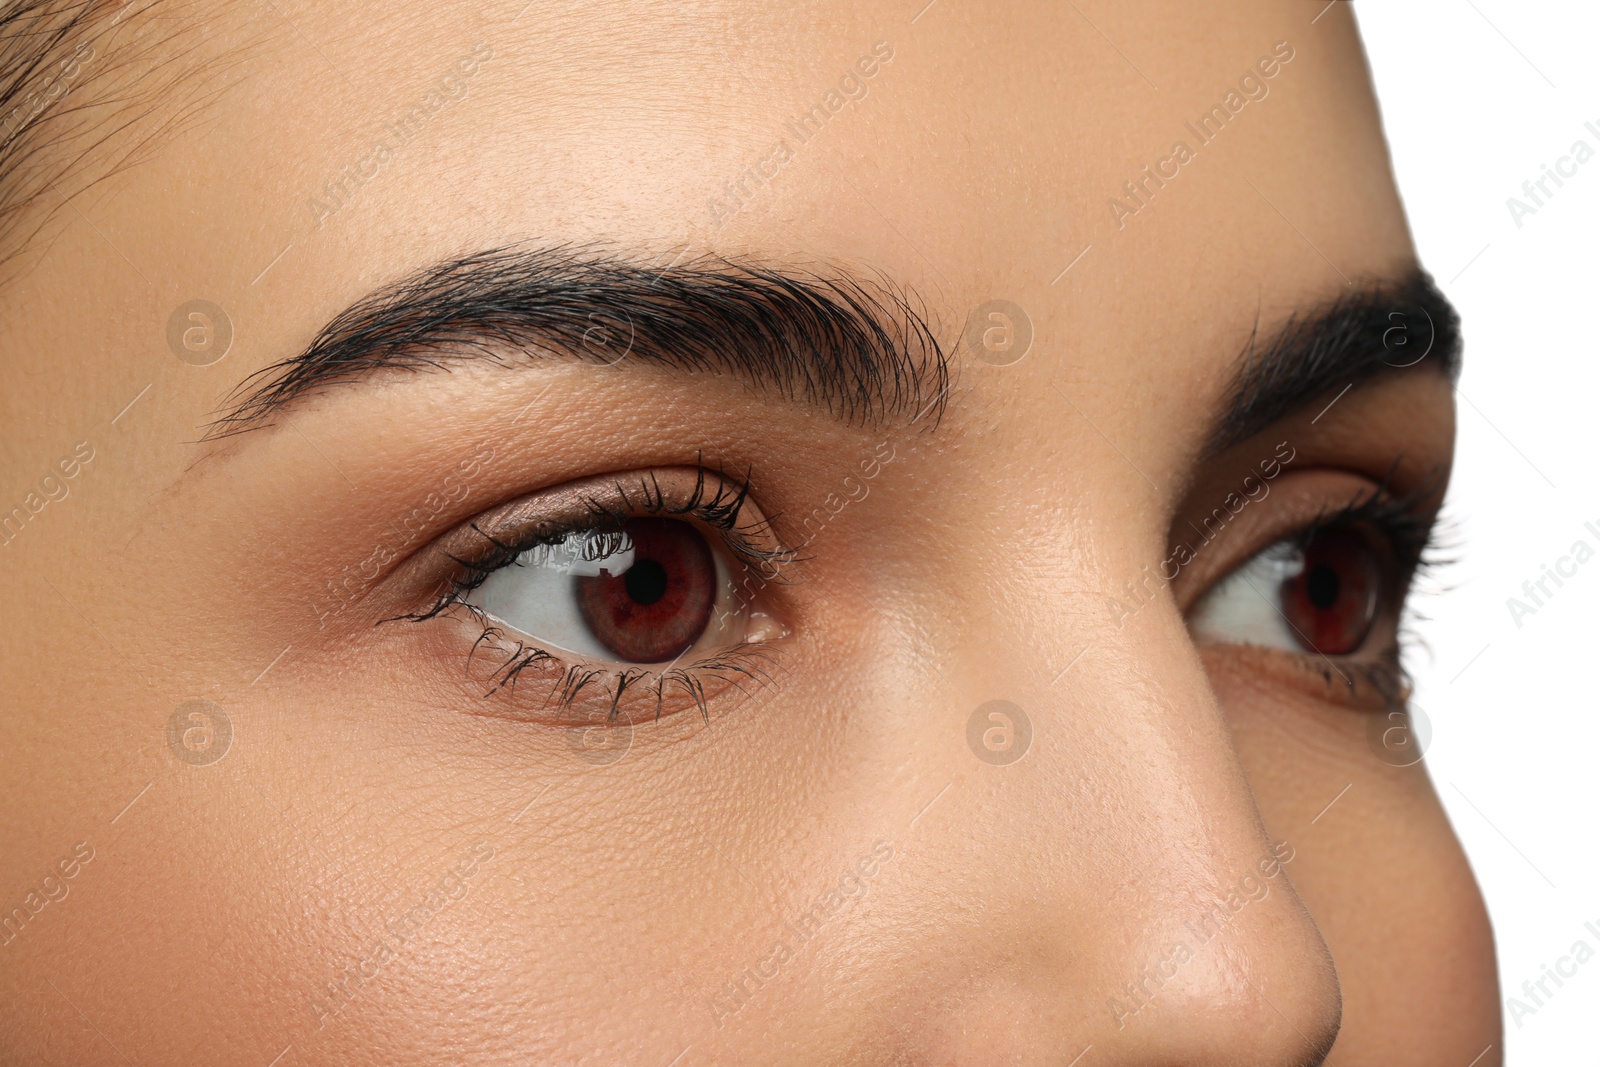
1135	912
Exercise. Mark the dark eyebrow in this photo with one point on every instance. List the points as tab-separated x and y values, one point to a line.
1384	325
857	346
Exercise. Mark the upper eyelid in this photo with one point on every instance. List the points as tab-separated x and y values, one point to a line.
588	502
1408	524
1403	529
635	488
1293	510
495	538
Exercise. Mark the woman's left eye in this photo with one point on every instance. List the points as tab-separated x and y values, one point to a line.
647	593
1322	594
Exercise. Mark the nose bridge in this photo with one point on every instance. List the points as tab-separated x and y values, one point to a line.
1176	932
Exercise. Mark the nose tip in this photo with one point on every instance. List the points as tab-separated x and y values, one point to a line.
1193	970
1267	996
1139	910
1238	975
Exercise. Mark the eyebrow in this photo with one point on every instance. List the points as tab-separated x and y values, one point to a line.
1389	325
860	348
856	346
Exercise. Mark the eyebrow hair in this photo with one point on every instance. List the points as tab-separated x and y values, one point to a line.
856	346
1394	324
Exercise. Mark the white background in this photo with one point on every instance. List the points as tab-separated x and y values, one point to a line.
1477	95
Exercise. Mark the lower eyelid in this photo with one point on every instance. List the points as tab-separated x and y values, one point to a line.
523	682
510	674
1370	683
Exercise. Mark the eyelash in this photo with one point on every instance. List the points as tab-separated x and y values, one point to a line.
1412	530
718	510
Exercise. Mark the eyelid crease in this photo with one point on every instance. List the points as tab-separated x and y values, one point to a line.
1300	505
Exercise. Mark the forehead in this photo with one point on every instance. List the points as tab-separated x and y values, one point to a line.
1141	180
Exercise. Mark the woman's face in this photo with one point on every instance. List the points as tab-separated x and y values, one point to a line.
851	536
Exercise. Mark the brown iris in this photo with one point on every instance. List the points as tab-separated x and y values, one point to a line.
659	607
1333	601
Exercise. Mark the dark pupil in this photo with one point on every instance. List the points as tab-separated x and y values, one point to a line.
1322	586
646	581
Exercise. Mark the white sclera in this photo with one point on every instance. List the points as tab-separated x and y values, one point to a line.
1244	609
535	595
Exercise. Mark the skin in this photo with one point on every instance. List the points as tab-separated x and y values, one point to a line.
620	898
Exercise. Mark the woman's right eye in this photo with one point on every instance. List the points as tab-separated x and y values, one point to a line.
629	594
647	593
